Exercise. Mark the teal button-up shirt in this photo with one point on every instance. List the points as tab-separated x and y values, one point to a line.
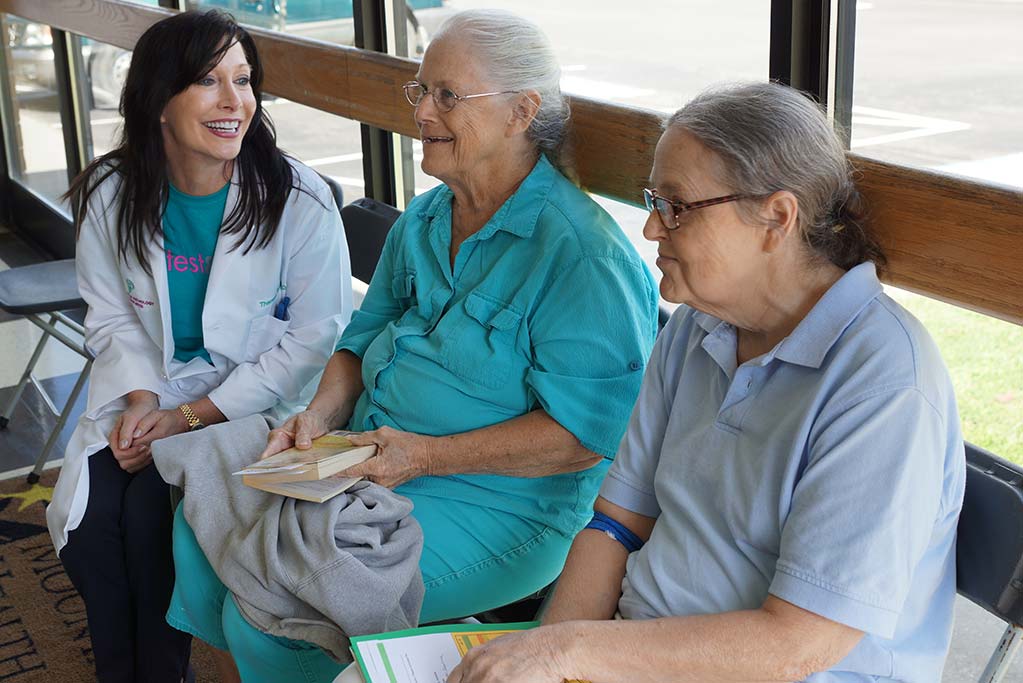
547	306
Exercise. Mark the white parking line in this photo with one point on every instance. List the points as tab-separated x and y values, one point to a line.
1006	170
340	158
601	89
913	126
345	180
94	122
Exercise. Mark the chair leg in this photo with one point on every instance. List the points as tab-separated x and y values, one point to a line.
33	476
1001	658
26	377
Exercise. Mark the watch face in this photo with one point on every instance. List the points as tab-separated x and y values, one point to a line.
197	425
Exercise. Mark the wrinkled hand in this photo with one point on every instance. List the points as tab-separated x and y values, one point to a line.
534	656
401	456
299	431
131	453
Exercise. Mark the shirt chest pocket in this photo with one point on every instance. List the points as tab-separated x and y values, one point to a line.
264	334
482	346
414	312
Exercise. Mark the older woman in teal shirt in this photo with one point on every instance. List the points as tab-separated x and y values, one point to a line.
496	356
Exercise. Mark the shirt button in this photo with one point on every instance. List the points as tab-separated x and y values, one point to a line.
635	365
749	383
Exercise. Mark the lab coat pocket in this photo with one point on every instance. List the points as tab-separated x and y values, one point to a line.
264	334
482	348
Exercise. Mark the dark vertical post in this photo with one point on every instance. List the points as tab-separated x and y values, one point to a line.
801	49
377	144
799	45
8	125
845	53
70	121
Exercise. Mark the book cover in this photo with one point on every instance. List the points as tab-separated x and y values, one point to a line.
314	491
308	474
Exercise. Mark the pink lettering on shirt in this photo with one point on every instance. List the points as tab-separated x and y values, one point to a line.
188	264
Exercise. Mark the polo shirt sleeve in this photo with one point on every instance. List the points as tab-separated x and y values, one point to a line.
630	480
591	335
864	511
380	305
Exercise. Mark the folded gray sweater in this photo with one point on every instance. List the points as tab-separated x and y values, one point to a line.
317	572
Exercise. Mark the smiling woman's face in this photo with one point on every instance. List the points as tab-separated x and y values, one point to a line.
206	122
476	132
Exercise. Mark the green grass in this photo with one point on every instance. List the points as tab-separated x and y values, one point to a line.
985	358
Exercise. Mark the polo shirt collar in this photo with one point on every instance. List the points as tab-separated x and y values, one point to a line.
519	213
814	336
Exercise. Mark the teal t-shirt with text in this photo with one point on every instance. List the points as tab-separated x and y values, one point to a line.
191	225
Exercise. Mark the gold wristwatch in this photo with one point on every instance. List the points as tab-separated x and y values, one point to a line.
193	420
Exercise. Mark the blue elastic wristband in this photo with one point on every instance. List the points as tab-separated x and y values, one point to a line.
615	530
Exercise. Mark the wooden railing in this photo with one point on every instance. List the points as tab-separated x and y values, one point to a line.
945	237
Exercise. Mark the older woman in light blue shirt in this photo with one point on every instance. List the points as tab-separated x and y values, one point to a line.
495	358
784	504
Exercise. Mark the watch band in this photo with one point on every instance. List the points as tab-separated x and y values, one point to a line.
193	420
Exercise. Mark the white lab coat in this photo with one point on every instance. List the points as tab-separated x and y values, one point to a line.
260	364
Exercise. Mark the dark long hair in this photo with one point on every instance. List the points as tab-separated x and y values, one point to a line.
169	57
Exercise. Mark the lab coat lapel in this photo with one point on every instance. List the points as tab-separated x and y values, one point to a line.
158	263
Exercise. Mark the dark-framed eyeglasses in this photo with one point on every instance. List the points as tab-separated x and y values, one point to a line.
444	98
669	211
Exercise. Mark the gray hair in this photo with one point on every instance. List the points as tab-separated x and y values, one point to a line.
519	57
770	137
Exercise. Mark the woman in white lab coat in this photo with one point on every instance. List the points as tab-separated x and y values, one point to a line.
217	280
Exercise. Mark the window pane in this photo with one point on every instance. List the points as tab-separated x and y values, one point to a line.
937	85
330	144
35	135
677	49
106	67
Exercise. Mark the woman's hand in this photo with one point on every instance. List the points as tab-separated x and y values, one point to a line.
299	431
401	456
160	424
132	455
535	656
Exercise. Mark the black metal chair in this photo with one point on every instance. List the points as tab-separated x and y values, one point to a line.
367	223
989	551
335	190
46	294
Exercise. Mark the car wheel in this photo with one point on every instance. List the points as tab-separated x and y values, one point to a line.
108	70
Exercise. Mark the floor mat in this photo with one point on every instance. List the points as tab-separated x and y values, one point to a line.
43	631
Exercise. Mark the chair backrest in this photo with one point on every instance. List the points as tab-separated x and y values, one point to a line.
335	189
367	223
989	551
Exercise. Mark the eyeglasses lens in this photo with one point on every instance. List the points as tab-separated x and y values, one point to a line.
446	100
663	207
414	93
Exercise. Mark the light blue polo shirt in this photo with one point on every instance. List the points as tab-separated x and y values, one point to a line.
828	472
548	305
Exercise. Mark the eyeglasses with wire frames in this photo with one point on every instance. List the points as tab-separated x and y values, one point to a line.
444	98
669	210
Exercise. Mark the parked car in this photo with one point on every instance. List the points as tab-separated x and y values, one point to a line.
327	20
31	50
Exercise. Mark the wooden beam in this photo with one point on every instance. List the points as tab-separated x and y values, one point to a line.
946	237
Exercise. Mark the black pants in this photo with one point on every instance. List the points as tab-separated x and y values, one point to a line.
120	560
